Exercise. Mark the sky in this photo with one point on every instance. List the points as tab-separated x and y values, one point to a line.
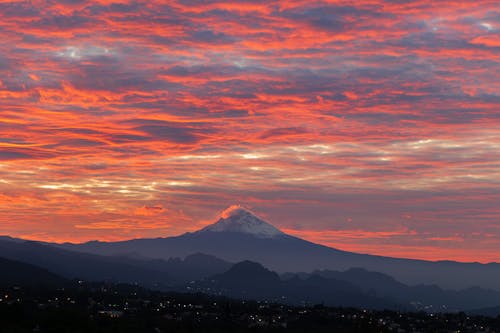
370	126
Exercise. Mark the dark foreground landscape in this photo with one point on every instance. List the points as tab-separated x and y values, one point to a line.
179	284
104	307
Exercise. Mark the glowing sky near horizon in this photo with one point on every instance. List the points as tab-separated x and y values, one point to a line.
369	126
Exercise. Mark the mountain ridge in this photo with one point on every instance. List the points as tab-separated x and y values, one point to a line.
286	253
17	273
354	287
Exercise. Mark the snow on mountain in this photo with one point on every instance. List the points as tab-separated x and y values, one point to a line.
239	235
241	220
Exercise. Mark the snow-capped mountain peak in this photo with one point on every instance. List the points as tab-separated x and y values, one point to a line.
241	220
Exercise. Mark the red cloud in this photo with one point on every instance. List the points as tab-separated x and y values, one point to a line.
107	108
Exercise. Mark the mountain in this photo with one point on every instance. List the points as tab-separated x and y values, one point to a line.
154	273
248	273
194	267
15	273
250	280
236	219
373	282
420	297
240	235
354	287
77	265
10	239
245	280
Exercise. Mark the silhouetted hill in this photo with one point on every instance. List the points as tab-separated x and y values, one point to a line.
15	273
421	297
196	266
155	273
10	239
75	265
246	280
239	235
250	280
246	272
372	282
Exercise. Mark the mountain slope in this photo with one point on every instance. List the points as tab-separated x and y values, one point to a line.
250	280
248	273
239	220
428	297
194	267
239	235
355	287
15	273
157	273
74	265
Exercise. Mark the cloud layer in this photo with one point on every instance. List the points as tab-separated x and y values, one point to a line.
371	126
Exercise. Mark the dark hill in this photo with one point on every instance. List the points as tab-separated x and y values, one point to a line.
15	273
250	280
239	235
76	265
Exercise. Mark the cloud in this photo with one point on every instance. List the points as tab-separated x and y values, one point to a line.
149	210
365	111
13	155
280	132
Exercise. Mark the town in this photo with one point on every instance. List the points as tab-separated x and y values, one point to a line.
107	307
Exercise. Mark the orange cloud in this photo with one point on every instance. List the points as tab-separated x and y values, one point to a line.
366	111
